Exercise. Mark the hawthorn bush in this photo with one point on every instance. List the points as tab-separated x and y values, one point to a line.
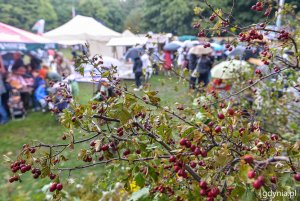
219	148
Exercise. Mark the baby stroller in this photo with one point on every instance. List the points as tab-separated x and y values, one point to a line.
16	106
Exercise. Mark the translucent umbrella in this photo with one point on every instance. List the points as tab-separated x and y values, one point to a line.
200	50
229	69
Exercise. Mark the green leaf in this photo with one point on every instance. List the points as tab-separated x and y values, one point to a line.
139	194
248	195
152	173
140	180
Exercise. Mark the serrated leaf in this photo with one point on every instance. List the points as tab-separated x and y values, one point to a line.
140	180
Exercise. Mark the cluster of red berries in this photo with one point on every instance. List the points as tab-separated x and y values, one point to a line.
196	150
228	47
163	189
13	179
120	131
251	35
55	186
20	165
209	192
112	145
36	173
259	6
283	35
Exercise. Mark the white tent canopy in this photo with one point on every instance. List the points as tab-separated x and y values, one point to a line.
127	39
80	30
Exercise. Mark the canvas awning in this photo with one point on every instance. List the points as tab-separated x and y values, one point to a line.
14	39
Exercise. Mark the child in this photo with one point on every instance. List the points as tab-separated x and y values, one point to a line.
40	95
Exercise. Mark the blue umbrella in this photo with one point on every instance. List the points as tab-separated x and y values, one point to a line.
187	37
134	52
217	47
172	46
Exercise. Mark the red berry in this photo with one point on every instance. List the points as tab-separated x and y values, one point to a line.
215	191
11	180
203	153
210	124
100	158
221	116
203	184
251	174
297	177
197	151
94	107
258	4
274	137
257	184
273	179
32	150
59	186
28	167
230	111
126	152
258	71
261	179
176	168
172	159
92	143
182	142
193	147
203	192
248	158
188	144
138	151
23	169
52	176
193	164
52	187
104	147
218	129
73	119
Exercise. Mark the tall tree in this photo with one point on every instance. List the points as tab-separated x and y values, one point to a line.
24	14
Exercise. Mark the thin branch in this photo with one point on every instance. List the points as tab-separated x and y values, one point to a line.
112	160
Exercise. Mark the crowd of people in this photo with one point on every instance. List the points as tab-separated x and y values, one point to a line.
24	86
199	64
151	61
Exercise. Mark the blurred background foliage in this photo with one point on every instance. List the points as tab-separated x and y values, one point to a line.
141	16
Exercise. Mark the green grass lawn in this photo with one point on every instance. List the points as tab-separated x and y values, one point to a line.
43	127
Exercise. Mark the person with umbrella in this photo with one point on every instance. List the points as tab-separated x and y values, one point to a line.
200	65
135	55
